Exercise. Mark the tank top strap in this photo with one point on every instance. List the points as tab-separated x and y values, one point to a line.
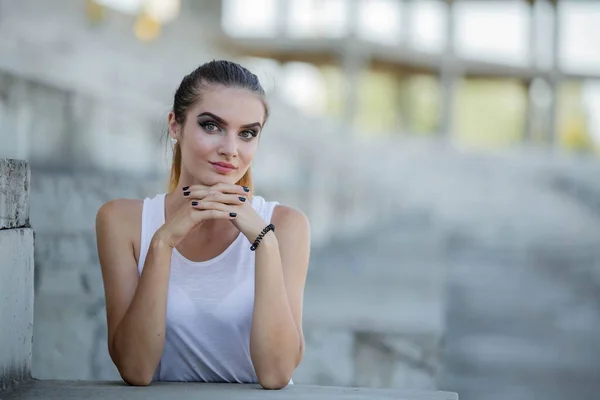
264	208
153	217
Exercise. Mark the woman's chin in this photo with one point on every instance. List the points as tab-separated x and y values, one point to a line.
218	178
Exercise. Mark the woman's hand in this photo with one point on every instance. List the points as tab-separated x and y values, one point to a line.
230	200
200	203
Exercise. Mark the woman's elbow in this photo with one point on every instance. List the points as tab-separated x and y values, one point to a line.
136	376
274	380
137	380
134	373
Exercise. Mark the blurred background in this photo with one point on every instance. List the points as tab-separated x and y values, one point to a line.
446	153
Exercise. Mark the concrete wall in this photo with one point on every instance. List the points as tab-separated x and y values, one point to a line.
508	244
16	274
70	329
374	310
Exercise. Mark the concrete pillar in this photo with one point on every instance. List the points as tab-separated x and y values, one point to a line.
448	75
282	17
352	11
405	102
532	54
16	274
532	34
531	112
551	81
353	62
406	22
554	81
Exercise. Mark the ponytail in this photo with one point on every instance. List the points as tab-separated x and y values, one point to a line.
175	168
246	180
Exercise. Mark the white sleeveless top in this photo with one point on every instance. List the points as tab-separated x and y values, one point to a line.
209	307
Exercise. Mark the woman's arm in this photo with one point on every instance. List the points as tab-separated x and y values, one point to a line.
276	338
135	306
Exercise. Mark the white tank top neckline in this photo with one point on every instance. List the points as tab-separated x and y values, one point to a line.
212	261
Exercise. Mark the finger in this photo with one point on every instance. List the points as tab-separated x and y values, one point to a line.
198	193
232	199
232	189
215	195
194	187
202	215
202	209
212	205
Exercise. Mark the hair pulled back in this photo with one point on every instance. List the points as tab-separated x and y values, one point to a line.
217	72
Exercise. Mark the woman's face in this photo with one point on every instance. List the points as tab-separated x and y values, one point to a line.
220	135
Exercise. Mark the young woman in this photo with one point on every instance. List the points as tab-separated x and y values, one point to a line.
205	283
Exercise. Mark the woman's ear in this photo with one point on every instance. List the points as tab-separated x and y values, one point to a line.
174	128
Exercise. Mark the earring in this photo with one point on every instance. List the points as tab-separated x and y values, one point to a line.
173	141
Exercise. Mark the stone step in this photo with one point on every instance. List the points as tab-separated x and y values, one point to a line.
75	390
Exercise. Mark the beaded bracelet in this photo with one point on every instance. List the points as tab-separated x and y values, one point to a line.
268	228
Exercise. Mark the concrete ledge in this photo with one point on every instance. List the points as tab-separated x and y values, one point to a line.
66	390
14	194
16	305
16	274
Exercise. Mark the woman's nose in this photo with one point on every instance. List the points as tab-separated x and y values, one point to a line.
228	145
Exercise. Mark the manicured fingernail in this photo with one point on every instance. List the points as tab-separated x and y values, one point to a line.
194	203
242	198
232	215
246	188
185	188
186	193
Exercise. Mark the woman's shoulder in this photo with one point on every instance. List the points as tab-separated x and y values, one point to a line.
289	216
121	207
120	211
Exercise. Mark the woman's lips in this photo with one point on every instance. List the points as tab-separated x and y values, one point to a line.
223	167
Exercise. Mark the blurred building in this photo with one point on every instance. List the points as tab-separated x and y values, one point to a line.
432	67
444	151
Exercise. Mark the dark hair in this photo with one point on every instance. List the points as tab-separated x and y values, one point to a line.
217	72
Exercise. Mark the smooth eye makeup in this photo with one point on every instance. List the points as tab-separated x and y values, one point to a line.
212	123
209	126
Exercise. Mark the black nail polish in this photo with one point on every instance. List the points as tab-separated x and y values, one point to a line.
232	215
185	188
246	188
186	193
194	203
242	198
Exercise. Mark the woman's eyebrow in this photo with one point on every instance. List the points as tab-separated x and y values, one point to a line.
252	125
223	122
218	119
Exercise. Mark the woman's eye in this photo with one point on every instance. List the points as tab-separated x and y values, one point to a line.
247	134
210	127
